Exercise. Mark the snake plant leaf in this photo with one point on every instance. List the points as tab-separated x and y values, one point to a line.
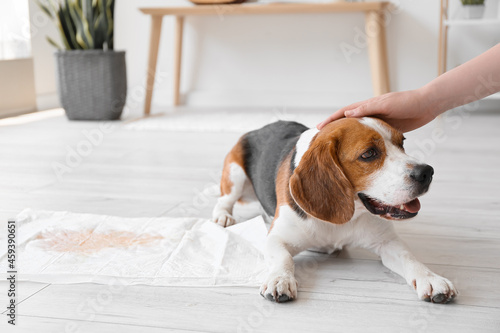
45	9
51	41
82	24
472	2
104	25
107	8
68	27
110	9
81	33
73	6
52	10
96	7
64	33
88	19
99	31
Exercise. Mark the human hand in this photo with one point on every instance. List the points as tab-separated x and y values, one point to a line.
406	110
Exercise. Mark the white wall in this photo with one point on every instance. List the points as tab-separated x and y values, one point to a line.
277	61
43	57
466	42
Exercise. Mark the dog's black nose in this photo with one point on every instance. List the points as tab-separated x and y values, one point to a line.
422	173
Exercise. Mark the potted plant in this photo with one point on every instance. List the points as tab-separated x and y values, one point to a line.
92	78
474	9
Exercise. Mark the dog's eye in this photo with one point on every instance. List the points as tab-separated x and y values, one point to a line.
369	154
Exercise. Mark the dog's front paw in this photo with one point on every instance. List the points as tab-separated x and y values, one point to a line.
224	219
279	288
434	288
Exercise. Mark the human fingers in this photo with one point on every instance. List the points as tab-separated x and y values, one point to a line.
336	115
339	114
364	110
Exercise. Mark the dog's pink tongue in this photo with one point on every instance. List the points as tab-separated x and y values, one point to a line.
412	206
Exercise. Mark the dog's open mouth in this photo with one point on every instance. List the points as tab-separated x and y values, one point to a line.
404	211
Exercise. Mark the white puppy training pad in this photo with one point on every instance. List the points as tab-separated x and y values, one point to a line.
64	247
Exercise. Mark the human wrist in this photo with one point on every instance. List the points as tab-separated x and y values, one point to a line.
431	101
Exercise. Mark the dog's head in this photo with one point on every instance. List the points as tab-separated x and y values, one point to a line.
359	158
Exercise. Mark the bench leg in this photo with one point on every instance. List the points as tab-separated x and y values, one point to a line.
154	43
377	49
179	26
443	37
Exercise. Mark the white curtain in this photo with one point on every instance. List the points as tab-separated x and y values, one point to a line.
14	29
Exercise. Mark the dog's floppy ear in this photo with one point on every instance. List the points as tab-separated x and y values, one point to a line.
319	186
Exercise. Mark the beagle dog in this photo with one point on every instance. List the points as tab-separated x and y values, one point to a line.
327	189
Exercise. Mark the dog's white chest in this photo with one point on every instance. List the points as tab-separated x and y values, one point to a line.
324	236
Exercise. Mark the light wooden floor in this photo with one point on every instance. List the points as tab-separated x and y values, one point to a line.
139	173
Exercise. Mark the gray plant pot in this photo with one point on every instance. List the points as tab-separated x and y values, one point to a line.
92	84
473	11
